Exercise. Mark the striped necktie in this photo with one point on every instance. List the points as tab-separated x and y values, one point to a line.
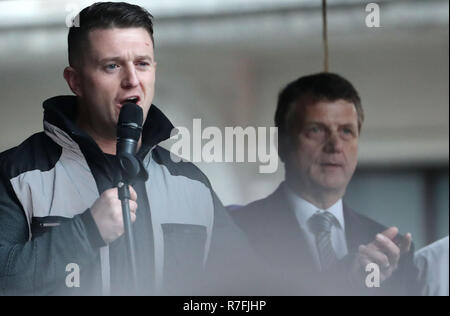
321	224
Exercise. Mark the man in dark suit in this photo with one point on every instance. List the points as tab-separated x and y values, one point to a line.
308	240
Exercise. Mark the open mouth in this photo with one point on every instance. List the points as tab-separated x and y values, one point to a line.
336	165
132	99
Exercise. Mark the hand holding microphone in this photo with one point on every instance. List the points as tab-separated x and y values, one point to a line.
115	209
107	214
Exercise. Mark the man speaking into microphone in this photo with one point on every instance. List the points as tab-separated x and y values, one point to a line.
61	223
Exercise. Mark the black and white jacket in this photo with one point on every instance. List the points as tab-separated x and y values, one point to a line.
49	182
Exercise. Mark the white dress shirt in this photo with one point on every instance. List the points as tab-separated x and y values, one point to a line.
304	210
433	265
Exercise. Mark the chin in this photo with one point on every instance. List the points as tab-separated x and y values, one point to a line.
334	185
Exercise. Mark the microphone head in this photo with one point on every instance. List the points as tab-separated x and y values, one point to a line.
130	121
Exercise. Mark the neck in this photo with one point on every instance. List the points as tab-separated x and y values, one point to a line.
319	197
107	143
106	140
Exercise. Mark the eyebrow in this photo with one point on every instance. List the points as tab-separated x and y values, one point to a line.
313	123
349	125
325	125
118	58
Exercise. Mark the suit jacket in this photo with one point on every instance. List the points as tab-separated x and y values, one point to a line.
286	265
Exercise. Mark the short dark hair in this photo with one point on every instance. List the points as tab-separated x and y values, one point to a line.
105	15
310	89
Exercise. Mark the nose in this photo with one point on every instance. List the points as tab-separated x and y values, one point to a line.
130	78
334	143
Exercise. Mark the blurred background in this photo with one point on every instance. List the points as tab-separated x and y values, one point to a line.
226	61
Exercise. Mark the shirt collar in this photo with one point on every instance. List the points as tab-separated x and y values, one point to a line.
304	209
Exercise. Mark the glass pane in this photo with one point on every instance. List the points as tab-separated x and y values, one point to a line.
442	205
392	198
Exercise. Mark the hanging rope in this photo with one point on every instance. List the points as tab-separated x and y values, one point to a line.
325	35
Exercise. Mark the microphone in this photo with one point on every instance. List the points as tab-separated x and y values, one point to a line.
129	128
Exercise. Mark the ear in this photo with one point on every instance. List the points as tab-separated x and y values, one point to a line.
73	80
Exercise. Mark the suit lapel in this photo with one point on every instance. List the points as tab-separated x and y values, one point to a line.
287	235
358	230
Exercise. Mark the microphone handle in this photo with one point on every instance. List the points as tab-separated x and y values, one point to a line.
124	196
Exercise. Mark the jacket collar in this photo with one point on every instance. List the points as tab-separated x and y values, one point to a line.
61	112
